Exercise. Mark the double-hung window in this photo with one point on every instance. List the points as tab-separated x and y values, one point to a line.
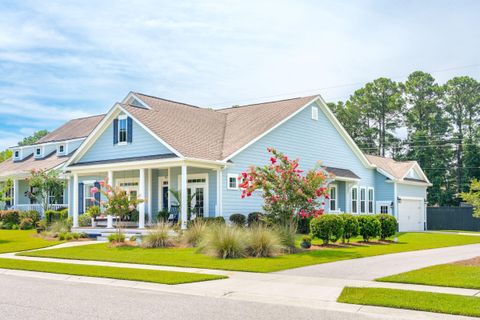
363	205
333	198
232	182
89	197
354	194
122	129
370	200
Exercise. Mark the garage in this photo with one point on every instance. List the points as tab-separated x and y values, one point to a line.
411	213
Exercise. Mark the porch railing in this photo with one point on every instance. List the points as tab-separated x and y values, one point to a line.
38	207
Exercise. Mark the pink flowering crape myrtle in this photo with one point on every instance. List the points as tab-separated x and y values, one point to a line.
287	191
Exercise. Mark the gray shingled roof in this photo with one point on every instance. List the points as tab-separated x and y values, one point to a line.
73	129
343	173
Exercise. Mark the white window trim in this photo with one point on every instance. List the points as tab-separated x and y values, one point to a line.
334	186
364	200
379	204
122	117
161	180
87	193
41	152
351	199
235	176
371	200
64	152
19	154
315	113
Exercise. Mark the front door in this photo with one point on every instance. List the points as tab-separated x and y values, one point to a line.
197	196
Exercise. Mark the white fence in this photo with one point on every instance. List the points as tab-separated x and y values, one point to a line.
38	207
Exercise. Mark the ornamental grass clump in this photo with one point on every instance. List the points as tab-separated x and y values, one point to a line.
263	242
194	233
159	237
224	242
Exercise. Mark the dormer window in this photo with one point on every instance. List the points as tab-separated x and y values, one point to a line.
38	152
17	154
61	149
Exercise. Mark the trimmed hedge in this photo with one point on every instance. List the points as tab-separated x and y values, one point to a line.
350	227
238	219
370	226
388	226
327	227
56	215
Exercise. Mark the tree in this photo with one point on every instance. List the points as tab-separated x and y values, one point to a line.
5	155
428	130
287	192
462	97
45	184
37	135
5	190
473	197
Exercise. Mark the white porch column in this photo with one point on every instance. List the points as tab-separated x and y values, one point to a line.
183	205
15	193
218	212
150	197
75	200
110	178
141	206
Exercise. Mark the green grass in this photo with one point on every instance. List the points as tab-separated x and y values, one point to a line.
414	300
445	275
21	240
188	257
156	276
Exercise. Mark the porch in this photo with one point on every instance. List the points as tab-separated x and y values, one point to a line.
160	184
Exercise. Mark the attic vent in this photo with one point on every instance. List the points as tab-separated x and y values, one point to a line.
314	113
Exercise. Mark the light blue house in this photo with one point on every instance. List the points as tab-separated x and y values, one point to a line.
148	146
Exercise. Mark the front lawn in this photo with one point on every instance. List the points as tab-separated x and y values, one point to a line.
414	300
20	240
188	257
445	275
156	276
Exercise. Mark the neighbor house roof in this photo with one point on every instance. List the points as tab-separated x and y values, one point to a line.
9	168
73	129
211	134
397	169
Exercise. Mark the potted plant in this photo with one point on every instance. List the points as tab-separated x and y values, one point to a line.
306	242
94	212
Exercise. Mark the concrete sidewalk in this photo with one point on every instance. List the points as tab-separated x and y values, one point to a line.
384	265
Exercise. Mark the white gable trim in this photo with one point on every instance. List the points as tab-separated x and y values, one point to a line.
103	125
418	170
330	116
133	95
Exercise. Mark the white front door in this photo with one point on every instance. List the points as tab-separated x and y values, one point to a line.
197	191
411	214
130	186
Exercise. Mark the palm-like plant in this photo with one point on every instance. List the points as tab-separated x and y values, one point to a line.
177	194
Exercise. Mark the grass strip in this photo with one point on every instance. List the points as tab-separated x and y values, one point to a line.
413	300
189	257
445	275
21	240
156	276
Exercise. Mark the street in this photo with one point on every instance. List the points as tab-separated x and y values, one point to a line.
32	298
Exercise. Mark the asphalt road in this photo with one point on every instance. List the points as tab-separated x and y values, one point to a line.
32	298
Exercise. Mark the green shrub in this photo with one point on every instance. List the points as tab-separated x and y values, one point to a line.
194	233
254	218
42	225
388	226
263	241
1	225
304	225
60	226
10	216
162	216
53	215
26	224
327	227
370	226
306	242
133	238
350	226
15	227
287	236
31	214
93	211
84	220
158	237
224	242
67	236
116	237
238	219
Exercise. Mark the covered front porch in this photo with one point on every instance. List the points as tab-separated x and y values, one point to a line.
161	185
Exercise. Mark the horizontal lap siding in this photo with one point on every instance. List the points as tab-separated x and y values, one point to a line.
302	137
383	190
144	144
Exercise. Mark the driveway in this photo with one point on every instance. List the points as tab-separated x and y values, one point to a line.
385	265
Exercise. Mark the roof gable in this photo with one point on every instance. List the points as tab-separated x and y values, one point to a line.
398	170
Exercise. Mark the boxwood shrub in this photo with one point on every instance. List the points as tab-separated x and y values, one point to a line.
238	219
388	226
254	218
350	227
304	225
370	226
327	227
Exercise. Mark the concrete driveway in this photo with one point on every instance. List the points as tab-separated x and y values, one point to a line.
381	266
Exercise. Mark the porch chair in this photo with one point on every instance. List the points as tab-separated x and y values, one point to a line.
173	217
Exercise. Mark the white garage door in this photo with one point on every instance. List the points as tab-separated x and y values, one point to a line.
411	215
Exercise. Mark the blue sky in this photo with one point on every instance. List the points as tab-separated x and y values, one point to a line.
65	59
